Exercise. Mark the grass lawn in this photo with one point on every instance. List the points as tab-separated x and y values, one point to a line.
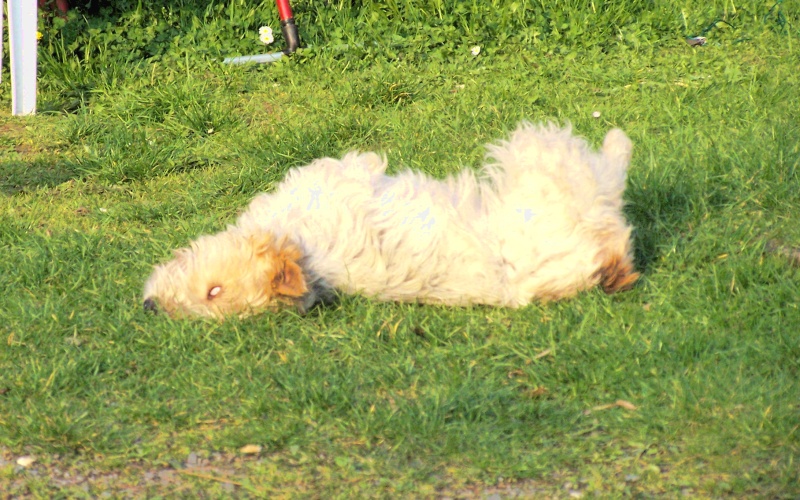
686	385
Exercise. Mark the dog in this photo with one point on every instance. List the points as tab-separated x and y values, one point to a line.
542	220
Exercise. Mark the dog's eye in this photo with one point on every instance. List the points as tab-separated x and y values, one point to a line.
214	291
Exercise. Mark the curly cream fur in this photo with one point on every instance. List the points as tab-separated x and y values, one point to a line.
542	220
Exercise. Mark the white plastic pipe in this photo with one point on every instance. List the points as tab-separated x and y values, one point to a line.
260	58
22	37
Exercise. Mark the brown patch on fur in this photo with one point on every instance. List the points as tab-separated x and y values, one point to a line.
617	274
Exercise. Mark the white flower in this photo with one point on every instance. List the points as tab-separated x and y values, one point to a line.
475	50
265	35
596	114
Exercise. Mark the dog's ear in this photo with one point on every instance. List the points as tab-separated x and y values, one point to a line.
289	280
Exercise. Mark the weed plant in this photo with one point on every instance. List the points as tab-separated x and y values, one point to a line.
688	384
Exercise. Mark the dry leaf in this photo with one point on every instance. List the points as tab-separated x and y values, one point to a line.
515	373
620	403
26	461
542	354
598	408
250	449
535	393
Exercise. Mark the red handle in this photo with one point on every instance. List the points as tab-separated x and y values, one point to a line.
284	9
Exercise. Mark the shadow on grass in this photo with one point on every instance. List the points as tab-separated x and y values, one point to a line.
657	213
23	176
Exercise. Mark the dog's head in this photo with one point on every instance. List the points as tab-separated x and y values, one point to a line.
229	273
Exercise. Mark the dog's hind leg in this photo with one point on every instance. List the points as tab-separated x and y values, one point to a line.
617	274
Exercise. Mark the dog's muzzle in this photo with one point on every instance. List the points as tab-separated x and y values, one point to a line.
150	305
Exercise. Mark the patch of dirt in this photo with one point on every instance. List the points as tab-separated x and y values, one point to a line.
17	137
789	252
29	476
12	128
225	473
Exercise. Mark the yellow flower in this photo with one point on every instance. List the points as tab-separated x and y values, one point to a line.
39	35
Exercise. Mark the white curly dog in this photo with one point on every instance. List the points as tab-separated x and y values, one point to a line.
541	221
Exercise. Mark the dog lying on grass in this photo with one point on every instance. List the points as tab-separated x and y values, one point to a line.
541	221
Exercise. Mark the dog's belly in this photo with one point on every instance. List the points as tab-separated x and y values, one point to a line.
418	246
453	273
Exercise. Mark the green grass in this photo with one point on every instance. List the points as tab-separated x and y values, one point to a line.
131	157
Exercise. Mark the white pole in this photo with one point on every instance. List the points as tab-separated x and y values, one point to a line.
1	40
22	35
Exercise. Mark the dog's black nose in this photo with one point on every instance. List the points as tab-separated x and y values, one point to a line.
150	305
